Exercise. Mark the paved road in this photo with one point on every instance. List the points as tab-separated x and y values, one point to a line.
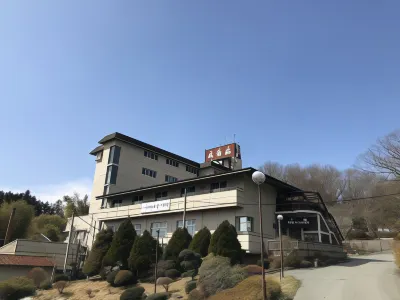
372	277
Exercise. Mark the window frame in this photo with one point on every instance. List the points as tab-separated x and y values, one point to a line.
149	172
188	192
114	155
170	179
150	155
159	227
238	224
161	195
111	176
192	231
140	229
139	199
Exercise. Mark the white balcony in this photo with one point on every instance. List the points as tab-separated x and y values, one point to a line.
222	198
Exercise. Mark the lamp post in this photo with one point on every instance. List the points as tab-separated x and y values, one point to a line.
280	218
259	178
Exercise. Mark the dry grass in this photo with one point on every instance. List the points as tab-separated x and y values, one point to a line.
396	252
250	289
101	290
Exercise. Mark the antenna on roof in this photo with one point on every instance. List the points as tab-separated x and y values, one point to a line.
234	137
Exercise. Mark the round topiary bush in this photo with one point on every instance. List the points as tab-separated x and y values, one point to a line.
38	275
165	282
190	286
158	296
196	295
134	293
111	277
61	277
186	255
191	273
173	273
124	277
46	285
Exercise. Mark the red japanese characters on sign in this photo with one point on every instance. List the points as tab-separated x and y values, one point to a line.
230	150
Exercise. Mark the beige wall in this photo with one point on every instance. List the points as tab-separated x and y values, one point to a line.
6	272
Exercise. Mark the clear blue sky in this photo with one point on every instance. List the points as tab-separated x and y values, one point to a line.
296	81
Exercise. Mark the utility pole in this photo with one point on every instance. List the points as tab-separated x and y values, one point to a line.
155	268
6	238
184	210
54	269
69	242
264	288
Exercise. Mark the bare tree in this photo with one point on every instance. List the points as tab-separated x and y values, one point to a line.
384	156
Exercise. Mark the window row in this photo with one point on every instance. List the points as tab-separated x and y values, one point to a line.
172	162
192	170
150	154
149	172
169	178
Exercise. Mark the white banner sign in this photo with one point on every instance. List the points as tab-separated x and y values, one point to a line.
156	206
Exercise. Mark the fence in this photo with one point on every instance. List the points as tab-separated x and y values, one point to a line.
369	245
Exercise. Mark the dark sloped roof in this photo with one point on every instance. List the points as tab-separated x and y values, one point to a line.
25	260
129	140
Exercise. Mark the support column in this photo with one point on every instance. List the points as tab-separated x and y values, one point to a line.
319	229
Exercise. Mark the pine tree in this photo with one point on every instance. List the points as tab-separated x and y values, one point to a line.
100	247
142	254
201	241
121	245
224	242
179	241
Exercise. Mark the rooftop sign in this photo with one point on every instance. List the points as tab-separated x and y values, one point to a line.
230	150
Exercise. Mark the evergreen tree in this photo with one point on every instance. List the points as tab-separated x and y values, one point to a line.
21	221
143	254
224	242
121	245
179	241
100	247
201	241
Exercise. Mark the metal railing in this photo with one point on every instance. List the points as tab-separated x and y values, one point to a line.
300	245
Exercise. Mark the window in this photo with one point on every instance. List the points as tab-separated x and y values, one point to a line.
169	178
193	170
113	158
117	203
138	229
325	239
161	195
244	224
172	162
149	172
106	189
150	154
190	225
99	156
162	226
137	199
217	186
190	190
111	176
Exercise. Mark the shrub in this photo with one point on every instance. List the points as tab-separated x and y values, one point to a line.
397	237
121	245
186	255
216	274
60	286
61	277
134	293
201	242
196	295
266	263
38	275
190	286
164	265
45	285
89	293
331	261
142	253
191	273
111	277
173	273
224	242
396	253
16	288
306	264
158	296
124	277
253	269
165	282
100	247
357	234
292	260
179	241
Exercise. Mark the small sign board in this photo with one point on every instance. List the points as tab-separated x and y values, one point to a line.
155	206
230	150
299	222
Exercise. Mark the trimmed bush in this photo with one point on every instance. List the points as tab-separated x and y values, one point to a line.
190	286
45	285
186	255
331	261
196	295
191	273
38	275
124	277
266	263
224	242
16	288
121	245
173	273
111	277
306	264
253	269
134	293
292	260
61	277
165	282
201	242
179	241
158	296
60	286
164	265
100	247
216	274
